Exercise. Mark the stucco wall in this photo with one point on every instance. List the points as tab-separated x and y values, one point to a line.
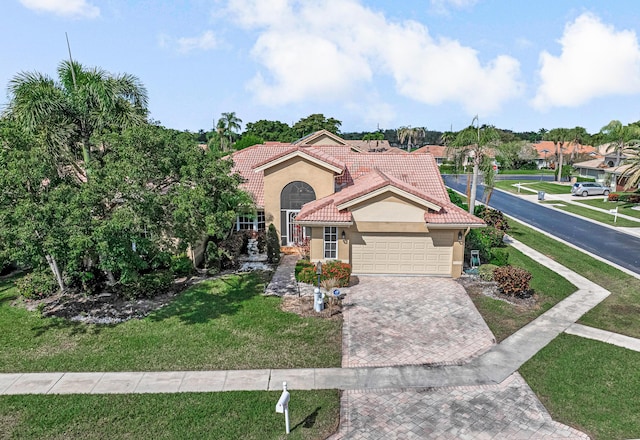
295	169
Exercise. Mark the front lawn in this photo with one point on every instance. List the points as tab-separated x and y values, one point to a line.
599	216
220	416
623	207
548	187
619	311
504	318
590	385
221	324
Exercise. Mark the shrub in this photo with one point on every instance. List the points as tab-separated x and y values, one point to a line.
338	270
212	256
485	271
499	257
261	237
493	218
613	197
333	269
273	245
513	281
181	265
230	249
148	285
37	284
455	198
301	264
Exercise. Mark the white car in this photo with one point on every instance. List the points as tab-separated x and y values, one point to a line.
589	189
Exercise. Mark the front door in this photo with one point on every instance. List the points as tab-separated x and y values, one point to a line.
295	233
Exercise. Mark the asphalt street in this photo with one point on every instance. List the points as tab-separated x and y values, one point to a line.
617	247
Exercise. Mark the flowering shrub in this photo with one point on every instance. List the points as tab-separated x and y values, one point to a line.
485	271
513	281
333	269
37	284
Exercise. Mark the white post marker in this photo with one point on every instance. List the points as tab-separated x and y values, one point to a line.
615	214
283	405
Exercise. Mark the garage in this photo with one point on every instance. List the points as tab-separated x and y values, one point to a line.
412	254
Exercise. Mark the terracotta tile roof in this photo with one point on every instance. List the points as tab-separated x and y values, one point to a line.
451	213
323	211
310	151
435	150
416	174
568	148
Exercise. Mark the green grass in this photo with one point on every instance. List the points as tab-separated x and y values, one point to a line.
220	416
219	324
590	385
527	172
504	318
598	216
617	313
623	207
550	188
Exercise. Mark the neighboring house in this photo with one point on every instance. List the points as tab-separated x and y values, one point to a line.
382	213
603	170
572	151
439	152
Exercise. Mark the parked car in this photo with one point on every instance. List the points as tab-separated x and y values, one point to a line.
589	189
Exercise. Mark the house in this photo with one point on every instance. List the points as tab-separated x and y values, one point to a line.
604	170
382	213
572	151
439	152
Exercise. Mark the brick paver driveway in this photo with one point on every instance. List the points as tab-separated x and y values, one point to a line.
422	320
411	320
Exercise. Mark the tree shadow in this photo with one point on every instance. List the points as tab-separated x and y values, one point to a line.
210	300
73	327
308	421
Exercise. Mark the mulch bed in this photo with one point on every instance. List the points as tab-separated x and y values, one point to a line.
303	306
475	286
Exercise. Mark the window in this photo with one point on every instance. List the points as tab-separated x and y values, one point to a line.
330	242
253	223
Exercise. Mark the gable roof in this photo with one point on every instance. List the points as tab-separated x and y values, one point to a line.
314	155
321	137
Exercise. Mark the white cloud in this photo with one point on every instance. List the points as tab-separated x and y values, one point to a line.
333	49
596	60
206	41
65	8
443	6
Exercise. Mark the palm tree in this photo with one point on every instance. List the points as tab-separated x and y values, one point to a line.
66	113
632	174
411	135
472	143
619	137
227	128
558	136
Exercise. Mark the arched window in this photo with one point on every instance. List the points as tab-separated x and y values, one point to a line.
296	194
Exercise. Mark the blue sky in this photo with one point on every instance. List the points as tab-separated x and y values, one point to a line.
520	65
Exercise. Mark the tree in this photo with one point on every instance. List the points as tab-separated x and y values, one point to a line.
316	122
227	129
559	136
274	131
632	173
618	137
515	154
473	143
411	135
247	140
65	114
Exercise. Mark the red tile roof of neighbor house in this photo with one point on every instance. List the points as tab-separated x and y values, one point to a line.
434	150
568	148
363	173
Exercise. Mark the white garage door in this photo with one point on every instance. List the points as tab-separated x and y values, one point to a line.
424	254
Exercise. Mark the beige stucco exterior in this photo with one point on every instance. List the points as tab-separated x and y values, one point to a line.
292	170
